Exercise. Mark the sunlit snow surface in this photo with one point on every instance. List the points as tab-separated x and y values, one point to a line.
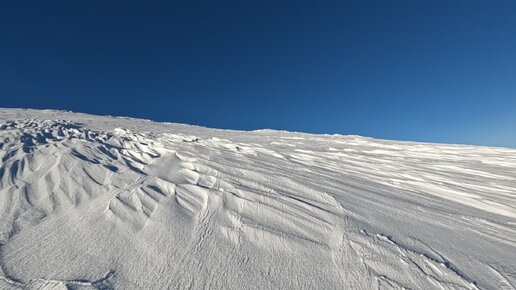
90	202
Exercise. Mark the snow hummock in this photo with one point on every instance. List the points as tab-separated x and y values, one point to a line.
91	202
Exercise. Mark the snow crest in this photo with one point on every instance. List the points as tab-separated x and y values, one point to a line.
90	202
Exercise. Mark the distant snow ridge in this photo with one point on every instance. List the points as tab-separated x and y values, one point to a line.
85	204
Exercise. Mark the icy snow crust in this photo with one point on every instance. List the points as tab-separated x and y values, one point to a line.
90	202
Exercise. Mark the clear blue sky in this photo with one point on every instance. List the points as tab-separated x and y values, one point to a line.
439	71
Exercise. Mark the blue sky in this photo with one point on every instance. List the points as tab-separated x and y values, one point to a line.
438	71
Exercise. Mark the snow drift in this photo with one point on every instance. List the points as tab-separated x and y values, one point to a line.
90	202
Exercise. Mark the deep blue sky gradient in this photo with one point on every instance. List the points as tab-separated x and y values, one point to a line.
438	71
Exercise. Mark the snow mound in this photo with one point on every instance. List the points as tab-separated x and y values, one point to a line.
90	202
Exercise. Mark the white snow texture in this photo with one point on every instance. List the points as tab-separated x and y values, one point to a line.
91	202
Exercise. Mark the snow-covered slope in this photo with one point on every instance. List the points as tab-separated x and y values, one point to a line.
90	202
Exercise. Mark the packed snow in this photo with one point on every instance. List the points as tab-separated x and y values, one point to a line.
92	202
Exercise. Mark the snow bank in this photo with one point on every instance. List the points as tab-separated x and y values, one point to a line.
91	202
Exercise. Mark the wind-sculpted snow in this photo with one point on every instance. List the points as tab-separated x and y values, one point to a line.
90	202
